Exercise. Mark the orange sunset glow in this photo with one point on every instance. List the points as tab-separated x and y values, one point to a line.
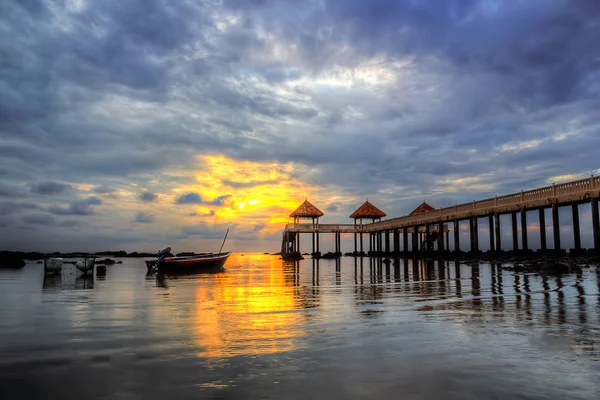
246	193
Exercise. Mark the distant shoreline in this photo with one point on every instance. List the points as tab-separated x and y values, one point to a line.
35	255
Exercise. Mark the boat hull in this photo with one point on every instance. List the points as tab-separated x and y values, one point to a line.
193	263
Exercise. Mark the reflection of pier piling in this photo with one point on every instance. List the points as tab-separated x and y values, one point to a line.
427	231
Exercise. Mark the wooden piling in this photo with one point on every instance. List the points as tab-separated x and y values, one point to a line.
497	235
387	241
576	232
361	243
542	218
415	238
474	234
491	231
556	226
596	224
524	229
456	235
515	231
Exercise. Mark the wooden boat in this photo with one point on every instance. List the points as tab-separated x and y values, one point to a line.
192	263
189	263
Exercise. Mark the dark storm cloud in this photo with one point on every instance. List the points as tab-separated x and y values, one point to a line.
189	198
147	196
49	188
79	207
116	92
143	218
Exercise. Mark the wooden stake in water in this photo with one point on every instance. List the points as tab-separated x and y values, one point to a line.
223	244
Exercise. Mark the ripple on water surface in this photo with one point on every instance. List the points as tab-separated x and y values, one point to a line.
264	328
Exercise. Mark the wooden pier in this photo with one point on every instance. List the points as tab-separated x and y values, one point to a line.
420	232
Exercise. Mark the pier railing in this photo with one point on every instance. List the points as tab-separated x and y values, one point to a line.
521	199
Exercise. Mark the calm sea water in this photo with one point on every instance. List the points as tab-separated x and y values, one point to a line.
264	328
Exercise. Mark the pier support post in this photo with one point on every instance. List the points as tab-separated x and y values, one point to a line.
456	236
405	239
396	240
524	229
387	241
318	251
298	242
556	226
415	238
361	243
596	224
440	239
543	245
576	232
515	231
355	242
448	240
474	234
497	233
491	230
427	236
313	243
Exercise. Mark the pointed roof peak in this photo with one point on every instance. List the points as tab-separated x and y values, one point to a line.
307	210
367	210
422	208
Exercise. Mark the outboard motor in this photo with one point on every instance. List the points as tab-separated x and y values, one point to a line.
163	253
153	264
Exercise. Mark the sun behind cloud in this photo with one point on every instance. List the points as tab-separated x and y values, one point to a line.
250	194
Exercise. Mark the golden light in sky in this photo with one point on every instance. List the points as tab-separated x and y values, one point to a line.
246	192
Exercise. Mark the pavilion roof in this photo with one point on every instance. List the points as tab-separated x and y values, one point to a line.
367	210
307	210
424	207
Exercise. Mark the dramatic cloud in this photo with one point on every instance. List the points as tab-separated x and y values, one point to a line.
143	218
189	198
334	207
236	111
49	188
147	196
80	207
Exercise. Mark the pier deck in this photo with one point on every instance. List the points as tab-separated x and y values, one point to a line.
423	227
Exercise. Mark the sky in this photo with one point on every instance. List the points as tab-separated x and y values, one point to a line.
141	124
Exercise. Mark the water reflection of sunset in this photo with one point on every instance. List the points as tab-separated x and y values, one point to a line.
248	317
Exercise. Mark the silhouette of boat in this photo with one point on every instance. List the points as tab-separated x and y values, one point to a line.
188	263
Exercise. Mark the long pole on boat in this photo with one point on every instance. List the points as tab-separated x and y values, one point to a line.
223	244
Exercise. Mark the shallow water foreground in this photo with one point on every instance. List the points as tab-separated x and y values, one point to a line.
268	329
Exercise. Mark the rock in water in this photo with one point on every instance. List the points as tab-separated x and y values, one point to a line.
8	260
106	261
